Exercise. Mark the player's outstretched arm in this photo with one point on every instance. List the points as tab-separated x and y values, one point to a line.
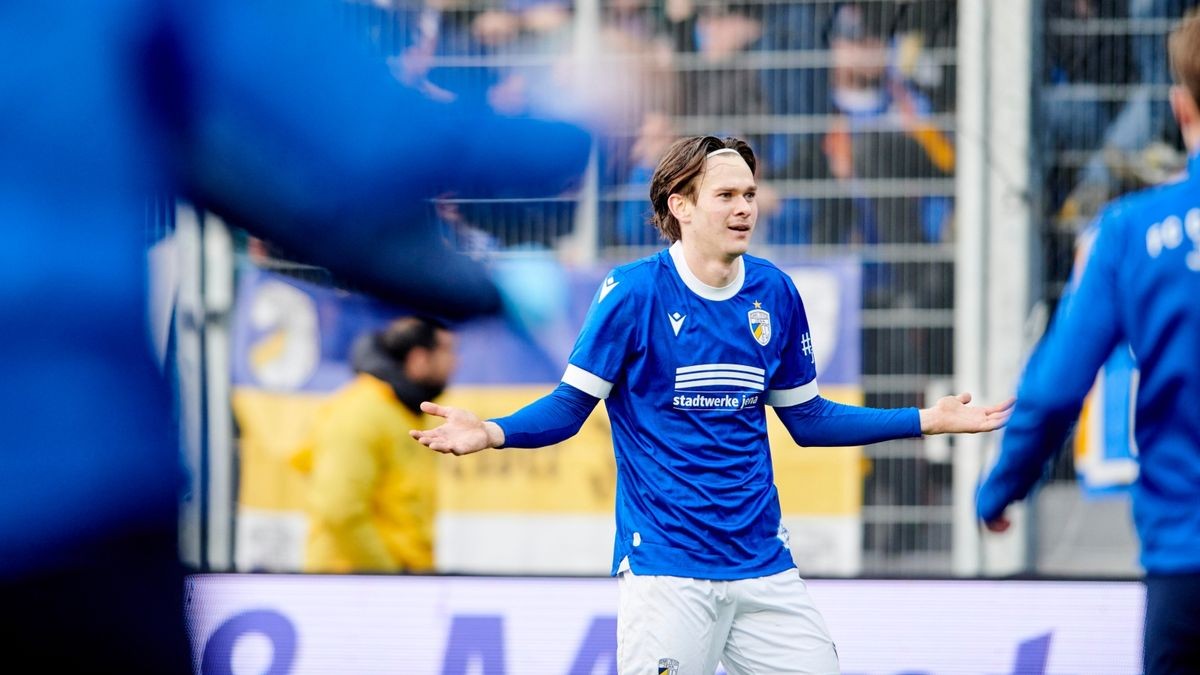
952	415
461	434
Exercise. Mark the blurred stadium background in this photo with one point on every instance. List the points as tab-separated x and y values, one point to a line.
928	168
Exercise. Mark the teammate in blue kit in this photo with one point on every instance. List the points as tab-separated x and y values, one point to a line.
687	347
269	114
1141	285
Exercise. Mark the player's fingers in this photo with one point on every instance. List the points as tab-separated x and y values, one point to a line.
964	398
434	409
984	422
1003	407
999	524
424	438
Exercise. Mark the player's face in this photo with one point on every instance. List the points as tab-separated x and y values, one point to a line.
726	208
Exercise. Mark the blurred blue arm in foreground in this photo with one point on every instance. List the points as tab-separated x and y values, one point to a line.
1058	376
267	113
295	134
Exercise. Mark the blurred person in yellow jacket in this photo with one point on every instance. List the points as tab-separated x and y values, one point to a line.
373	489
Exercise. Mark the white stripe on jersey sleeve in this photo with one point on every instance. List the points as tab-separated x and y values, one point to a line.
782	398
586	382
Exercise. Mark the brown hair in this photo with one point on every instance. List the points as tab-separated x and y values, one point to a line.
1184	46
680	172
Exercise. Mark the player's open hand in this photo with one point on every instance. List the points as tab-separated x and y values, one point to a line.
461	434
952	415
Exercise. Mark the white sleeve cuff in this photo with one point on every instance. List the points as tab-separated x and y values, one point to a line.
783	398
586	382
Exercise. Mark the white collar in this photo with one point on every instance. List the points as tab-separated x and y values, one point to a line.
699	287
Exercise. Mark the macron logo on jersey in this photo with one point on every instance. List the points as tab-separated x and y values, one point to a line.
609	285
717	375
676	321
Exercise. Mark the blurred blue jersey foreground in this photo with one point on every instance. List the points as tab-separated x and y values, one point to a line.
1139	285
258	112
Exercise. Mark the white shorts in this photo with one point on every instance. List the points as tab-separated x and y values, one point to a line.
682	626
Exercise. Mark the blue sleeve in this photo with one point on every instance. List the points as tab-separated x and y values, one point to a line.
819	422
1058	375
551	419
795	381
306	140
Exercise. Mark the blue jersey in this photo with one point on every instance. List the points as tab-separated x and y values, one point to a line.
266	113
1141	284
685	370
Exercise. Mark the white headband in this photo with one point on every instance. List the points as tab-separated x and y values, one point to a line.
722	151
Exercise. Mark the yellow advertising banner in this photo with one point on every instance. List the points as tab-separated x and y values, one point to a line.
577	476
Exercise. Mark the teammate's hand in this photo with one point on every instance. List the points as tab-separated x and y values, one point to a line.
461	434
952	415
998	524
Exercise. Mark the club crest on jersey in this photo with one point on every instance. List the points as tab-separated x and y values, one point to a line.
668	667
760	324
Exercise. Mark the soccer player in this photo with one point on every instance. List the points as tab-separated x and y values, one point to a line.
1139	285
687	347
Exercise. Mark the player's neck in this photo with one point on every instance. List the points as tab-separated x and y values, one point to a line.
717	271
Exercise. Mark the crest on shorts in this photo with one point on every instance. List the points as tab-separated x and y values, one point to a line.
668	667
760	324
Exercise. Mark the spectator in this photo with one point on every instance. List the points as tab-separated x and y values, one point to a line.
795	27
1079	66
373	490
633	214
1122	129
885	133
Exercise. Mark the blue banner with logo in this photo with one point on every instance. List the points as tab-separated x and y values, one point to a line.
295	336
